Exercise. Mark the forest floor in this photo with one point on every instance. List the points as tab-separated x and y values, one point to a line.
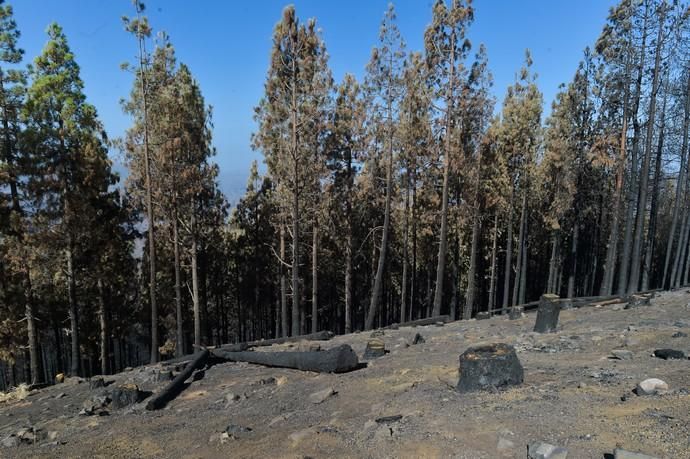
574	396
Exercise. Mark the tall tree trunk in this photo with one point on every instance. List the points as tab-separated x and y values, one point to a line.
195	279
682	177
651	234
550	284
523	269
73	313
443	243
179	345
104	329
413	277
509	252
573	260
295	263
624	268
492	281
471	272
633	283
348	246
31	331
612	244
283	286
521	246
378	280
406	237
315	280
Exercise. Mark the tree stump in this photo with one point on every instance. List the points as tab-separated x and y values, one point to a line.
516	312
489	366
483	315
547	314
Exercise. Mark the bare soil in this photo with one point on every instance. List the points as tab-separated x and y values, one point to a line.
574	395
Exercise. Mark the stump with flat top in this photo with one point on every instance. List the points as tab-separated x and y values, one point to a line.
489	366
547	314
516	312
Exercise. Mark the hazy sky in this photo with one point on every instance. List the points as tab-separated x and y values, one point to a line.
226	43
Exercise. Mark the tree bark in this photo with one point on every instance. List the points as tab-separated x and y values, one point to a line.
195	279
682	177
633	283
651	234
509	253
179	347
104	329
378	280
406	237
32	332
315	280
521	246
283	286
492	281
73	312
573	260
443	243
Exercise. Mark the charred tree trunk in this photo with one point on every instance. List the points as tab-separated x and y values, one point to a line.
283	286
492	281
573	260
315	280
509	253
633	283
179	345
521	246
104	329
195	279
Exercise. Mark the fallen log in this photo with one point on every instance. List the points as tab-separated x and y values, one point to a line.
318	336
171	391
422	322
336	360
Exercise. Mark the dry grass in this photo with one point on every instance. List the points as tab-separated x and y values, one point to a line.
18	393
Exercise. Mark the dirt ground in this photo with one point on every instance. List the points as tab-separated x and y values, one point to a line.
574	395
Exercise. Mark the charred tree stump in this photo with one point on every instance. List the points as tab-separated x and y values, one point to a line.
547	314
489	366
336	360
177	385
516	312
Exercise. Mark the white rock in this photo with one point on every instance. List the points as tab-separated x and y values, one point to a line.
504	443
322	395
546	451
651	386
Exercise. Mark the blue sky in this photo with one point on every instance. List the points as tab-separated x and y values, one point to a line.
227	44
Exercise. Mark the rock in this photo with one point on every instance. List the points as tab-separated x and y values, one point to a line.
395	326
651	386
59	378
231	397
516	312
126	395
52	435
631	341
545	451
388	419
61	395
156	375
300	435
679	334
418	339
96	383
377	333
668	354
619	453
483	315
322	395
375	348
547	314
234	430
489	366
504	443
622	354
10	442
635	301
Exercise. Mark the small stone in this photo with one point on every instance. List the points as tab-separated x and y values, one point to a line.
375	348
516	312
619	453
300	435
631	341
61	395
10	442
418	339
669	354
59	378
679	334
377	333
582	385
234	430
322	395
52	435
231	397
483	315
622	354
504	443
96	383
651	386
635	301
545	451
388	419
